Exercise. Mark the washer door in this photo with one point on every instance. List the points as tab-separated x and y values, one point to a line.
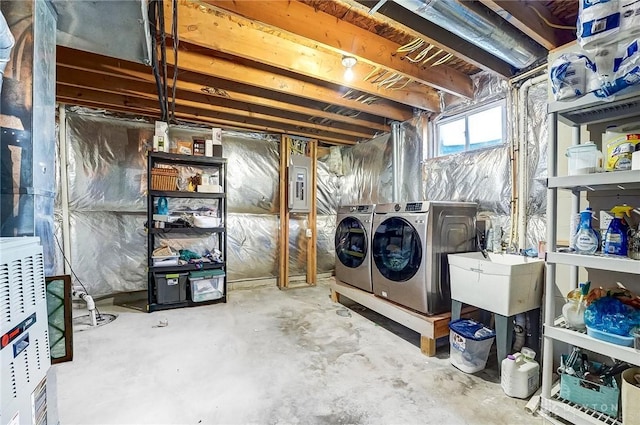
397	249
351	242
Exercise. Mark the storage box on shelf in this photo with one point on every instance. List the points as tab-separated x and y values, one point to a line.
165	290
584	111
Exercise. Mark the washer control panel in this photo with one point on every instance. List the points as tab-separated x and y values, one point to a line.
413	207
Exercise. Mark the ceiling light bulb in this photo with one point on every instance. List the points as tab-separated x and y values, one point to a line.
348	61
348	74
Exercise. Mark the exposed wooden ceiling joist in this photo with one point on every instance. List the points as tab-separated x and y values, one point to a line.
208	27
529	17
195	110
346	38
191	79
434	34
245	74
145	90
274	65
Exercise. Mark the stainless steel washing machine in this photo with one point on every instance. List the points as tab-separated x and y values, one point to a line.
409	250
352	243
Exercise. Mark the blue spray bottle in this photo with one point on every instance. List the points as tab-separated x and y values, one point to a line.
616	238
586	239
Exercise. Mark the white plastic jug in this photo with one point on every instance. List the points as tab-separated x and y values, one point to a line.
520	374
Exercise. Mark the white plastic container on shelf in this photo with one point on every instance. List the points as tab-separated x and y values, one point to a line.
584	159
520	374
630	397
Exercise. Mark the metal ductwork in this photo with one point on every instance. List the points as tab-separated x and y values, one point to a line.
6	44
478	25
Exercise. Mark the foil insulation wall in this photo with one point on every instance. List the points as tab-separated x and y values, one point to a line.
367	175
537	146
481	176
106	174
410	147
487	88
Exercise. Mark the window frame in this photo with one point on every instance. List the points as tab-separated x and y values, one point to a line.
435	146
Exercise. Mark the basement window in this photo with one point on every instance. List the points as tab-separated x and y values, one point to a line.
476	129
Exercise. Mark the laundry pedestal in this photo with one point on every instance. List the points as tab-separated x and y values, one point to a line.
503	284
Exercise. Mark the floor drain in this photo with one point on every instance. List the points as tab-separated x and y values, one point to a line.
83	323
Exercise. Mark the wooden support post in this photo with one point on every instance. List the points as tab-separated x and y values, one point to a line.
335	296
283	240
312	242
427	346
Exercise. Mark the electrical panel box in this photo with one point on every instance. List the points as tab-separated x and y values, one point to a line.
299	175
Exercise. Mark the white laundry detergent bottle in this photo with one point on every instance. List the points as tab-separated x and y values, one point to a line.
520	374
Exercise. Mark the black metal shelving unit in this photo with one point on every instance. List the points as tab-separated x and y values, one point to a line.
156	158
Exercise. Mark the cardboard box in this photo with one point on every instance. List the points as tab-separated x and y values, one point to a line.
185	147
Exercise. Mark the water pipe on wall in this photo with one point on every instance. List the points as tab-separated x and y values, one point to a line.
91	306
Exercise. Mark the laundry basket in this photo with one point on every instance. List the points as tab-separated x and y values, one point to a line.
470	344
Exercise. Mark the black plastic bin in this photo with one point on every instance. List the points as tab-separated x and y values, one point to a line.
171	288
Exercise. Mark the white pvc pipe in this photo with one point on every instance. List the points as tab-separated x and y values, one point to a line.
523	158
91	305
64	188
395	160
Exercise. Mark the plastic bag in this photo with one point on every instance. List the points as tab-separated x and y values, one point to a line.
608	314
573	75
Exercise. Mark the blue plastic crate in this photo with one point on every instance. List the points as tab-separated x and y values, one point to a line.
589	394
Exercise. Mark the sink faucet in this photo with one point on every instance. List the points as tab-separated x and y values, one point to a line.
513	248
480	245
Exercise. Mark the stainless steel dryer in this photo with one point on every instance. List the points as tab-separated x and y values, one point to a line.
352	243
410	247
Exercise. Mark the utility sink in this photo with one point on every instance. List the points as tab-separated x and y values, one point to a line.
504	284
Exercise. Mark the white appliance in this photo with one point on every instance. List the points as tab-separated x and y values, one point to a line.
24	339
409	250
352	244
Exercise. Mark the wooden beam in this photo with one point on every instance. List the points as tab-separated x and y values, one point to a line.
346	38
196	111
395	15
278	101
529	17
283	234
146	90
236	72
69	59
205	26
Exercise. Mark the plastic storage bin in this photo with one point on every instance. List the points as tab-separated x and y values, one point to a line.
206	285
630	397
589	394
609	337
584	159
171	287
166	260
470	344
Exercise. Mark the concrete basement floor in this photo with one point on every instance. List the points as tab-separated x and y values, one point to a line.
271	357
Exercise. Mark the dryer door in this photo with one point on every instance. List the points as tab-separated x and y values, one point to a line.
397	249
351	242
